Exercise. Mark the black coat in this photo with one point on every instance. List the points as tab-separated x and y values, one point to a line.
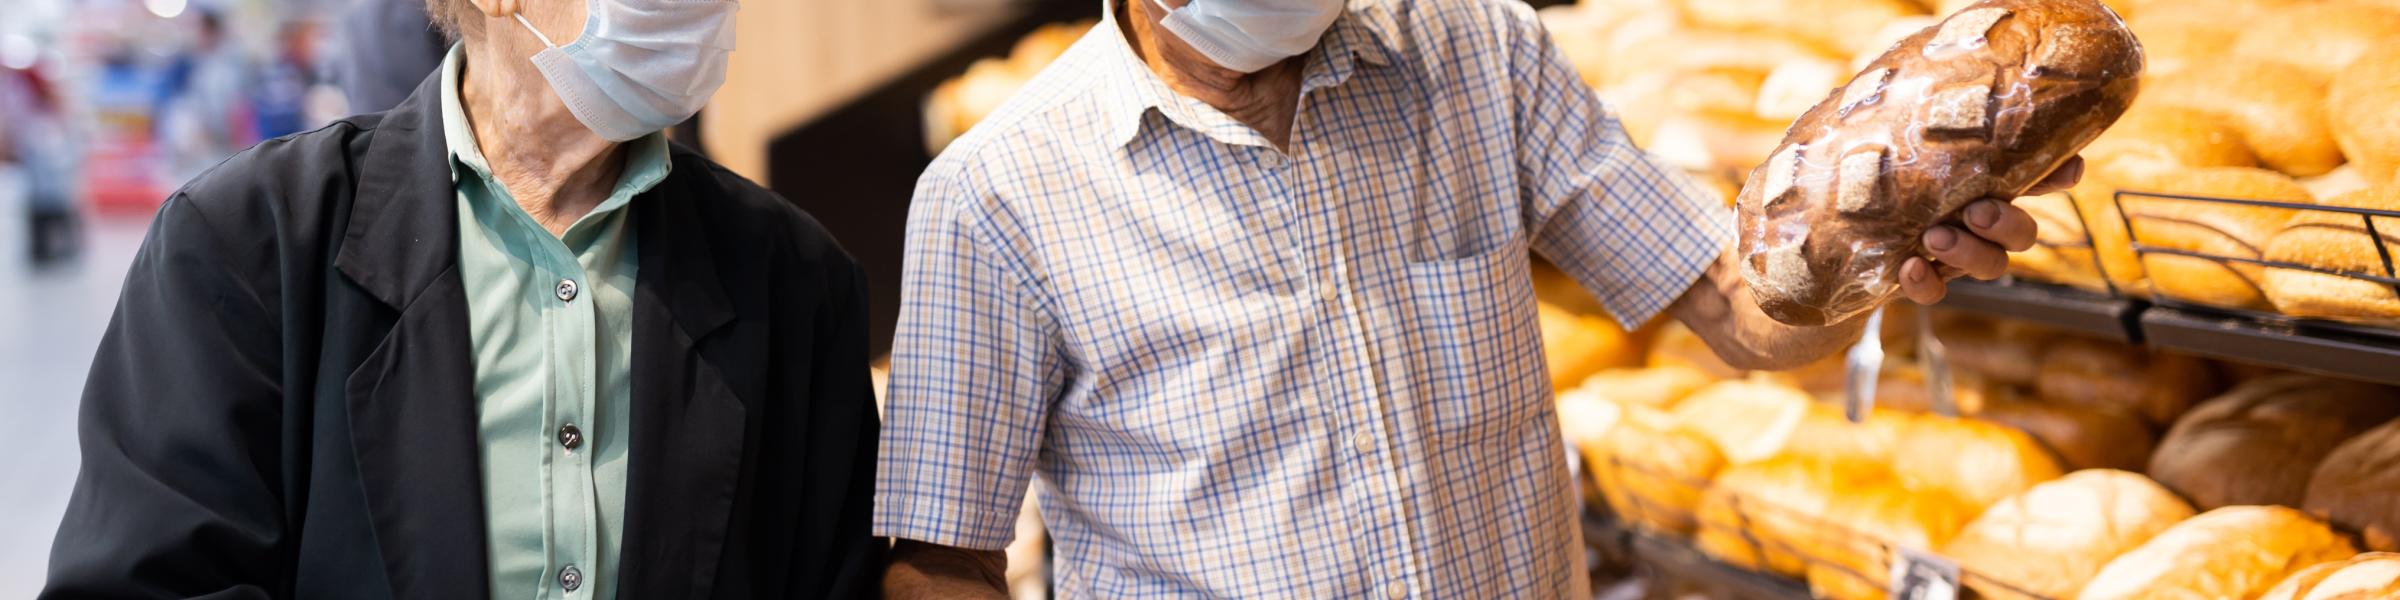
283	406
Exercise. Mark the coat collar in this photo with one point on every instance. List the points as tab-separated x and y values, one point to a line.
412	404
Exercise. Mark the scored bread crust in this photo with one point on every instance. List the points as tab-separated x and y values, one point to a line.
1983	104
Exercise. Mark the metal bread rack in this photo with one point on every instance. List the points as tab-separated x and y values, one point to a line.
2352	350
1671	556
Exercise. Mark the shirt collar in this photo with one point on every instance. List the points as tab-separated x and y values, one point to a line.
645	161
1132	90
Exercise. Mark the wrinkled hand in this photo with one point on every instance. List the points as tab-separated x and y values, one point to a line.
1994	228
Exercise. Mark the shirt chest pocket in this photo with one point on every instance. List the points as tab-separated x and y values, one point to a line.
1476	352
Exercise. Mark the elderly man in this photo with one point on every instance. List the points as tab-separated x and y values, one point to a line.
504	340
1244	281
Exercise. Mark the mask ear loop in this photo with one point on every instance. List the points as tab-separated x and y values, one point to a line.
537	33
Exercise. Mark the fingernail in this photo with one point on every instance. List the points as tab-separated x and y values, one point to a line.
1940	239
1916	272
1983	214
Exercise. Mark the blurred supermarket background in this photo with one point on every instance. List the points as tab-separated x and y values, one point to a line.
106	106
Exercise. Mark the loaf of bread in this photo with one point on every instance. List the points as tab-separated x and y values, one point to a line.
1655	387
2370	576
1983	105
1764	515
1751	421
1976	462
2321	39
2357	487
2278	109
2049	541
2178	135
2083	436
2061	253
2258	443
2358	106
2159	386
1577	345
1651	471
2339	242
1666	46
1838	25
2230	552
2003	352
1866	527
2213	229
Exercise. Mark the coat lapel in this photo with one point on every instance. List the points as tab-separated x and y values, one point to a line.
688	425
412	402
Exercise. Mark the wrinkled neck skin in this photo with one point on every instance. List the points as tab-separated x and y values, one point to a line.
553	166
1267	101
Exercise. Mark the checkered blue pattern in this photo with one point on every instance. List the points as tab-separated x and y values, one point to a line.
1245	372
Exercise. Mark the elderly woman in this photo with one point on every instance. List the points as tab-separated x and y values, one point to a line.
503	340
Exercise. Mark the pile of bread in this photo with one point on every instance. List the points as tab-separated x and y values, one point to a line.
2078	469
2281	100
960	102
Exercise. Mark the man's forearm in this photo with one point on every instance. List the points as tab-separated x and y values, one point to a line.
1719	308
929	571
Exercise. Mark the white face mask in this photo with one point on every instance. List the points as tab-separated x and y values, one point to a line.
1248	35
640	65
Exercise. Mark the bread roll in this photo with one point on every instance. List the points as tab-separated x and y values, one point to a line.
2357	486
1651	471
1976	462
1864	529
1714	140
1575	346
1983	105
2003	352
1751	421
2174	134
2083	437
1640	48
2214	229
1660	388
1838	25
2061	253
1676	346
2050	540
2177	35
2340	242
1762	515
2321	38
2278	109
2358	107
2230	552
2367	576
2159	386
2258	443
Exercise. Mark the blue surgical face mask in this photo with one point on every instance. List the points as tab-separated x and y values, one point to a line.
640	65
1248	35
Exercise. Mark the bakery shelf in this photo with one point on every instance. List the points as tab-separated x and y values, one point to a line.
2057	306
1671	560
2355	352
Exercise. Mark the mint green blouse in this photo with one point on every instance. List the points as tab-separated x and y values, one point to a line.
551	320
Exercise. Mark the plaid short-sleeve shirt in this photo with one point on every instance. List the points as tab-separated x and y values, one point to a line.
1247	372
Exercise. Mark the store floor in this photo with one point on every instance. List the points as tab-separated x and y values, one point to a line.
50	322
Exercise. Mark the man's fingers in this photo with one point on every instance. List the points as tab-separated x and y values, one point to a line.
1980	258
2002	223
2061	179
1920	283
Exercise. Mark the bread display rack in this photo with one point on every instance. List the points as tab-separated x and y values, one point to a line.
2167	322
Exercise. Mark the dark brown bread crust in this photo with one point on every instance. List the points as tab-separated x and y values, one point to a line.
1984	104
